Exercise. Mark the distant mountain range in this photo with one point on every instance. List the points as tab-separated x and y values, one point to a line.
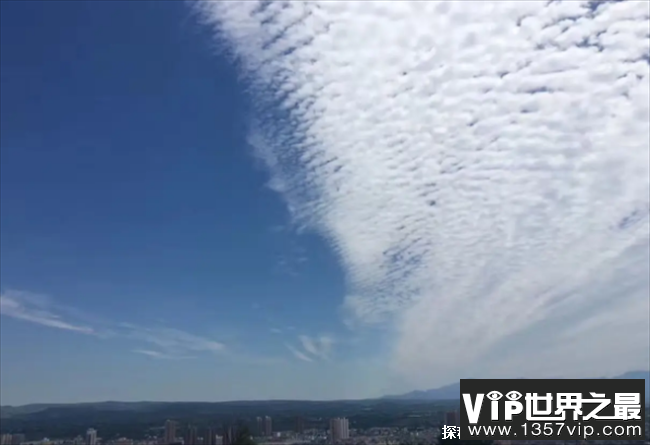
452	392
11	411
122	410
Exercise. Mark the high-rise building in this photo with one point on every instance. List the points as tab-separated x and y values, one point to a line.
268	426
260	426
17	439
228	436
300	425
91	436
5	439
339	429
452	418
210	437
190	437
170	432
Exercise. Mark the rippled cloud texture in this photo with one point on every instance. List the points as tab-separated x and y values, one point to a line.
481	169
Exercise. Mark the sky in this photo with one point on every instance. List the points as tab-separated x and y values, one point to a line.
322	200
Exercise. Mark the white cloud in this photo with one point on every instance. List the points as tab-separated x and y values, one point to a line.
320	347
299	355
308	344
312	348
37	309
171	343
158	355
482	169
174	342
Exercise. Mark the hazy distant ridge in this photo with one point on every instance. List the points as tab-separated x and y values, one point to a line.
451	392
448	392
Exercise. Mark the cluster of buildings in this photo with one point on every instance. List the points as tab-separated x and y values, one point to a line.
452	418
264	426
19	439
174	434
12	439
226	435
193	436
338	433
339	430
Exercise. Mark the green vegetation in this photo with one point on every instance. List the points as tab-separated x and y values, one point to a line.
243	436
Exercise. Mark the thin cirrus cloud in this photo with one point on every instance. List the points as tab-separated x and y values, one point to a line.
312	348
42	310
158	355
37	309
298	354
172	342
480	168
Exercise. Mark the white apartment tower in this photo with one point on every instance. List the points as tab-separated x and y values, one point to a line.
268	426
170	432
339	429
91	436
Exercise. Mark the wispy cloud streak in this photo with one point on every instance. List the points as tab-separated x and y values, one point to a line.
159	355
36	309
42	310
318	348
173	342
299	355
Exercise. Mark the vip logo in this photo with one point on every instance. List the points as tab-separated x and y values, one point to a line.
557	407
512	406
627	406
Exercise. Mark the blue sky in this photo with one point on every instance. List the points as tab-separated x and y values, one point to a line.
129	194
248	201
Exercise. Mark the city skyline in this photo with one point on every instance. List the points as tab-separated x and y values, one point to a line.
320	200
398	422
